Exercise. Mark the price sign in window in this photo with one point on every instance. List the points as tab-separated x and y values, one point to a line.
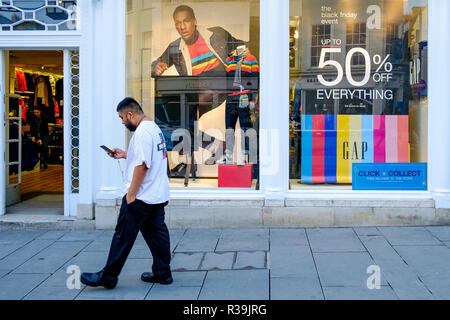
359	95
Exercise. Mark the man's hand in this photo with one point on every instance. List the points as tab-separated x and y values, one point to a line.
33	139
39	142
138	178
118	154
130	198
160	68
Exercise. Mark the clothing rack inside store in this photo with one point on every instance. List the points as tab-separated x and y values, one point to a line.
40	73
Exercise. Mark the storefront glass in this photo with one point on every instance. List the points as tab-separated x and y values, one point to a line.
358	94
194	67
38	15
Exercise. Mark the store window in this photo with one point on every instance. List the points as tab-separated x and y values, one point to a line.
194	67
36	15
358	102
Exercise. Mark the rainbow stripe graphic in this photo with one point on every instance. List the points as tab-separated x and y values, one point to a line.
331	144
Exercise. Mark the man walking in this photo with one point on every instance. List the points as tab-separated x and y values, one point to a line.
143	205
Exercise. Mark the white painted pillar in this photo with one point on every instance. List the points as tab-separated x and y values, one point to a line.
87	100
274	102
439	101
2	135
108	90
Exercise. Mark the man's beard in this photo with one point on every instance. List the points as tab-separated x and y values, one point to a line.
131	127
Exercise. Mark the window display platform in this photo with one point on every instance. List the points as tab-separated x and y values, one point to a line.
204	183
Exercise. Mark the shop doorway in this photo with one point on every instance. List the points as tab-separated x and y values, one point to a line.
34	150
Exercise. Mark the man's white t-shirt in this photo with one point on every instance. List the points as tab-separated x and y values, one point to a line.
148	146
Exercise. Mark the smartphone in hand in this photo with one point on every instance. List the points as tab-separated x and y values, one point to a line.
109	151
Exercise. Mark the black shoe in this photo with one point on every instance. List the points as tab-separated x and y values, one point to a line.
163	279
98	280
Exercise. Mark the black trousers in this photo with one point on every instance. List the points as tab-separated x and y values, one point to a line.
149	219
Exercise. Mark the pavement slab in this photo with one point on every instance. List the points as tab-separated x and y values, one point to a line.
52	258
197	240
304	288
218	261
250	260
402	278
51	293
173	293
344	268
442	233
19	236
25	253
244	240
409	236
291	262
236	285
359	293
8	248
17	286
186	261
334	240
288	237
432	266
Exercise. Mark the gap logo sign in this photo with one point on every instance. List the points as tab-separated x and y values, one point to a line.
331	144
390	176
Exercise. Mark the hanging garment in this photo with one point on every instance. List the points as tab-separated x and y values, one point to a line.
21	82
29	78
41	91
24	109
57	113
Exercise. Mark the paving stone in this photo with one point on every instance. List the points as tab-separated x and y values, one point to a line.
218	261
431	264
98	245
82	235
359	293
236	285
334	240
402	278
19	236
409	236
250	260
175	237
344	268
438	285
244	240
52	235
24	254
186	279
295	289
52	258
88	261
288	237
301	263
52	293
4	272
17	286
186	261
173	293
8	248
197	240
442	233
360	231
426	260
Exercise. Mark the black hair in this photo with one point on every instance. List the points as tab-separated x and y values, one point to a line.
185	8
131	105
